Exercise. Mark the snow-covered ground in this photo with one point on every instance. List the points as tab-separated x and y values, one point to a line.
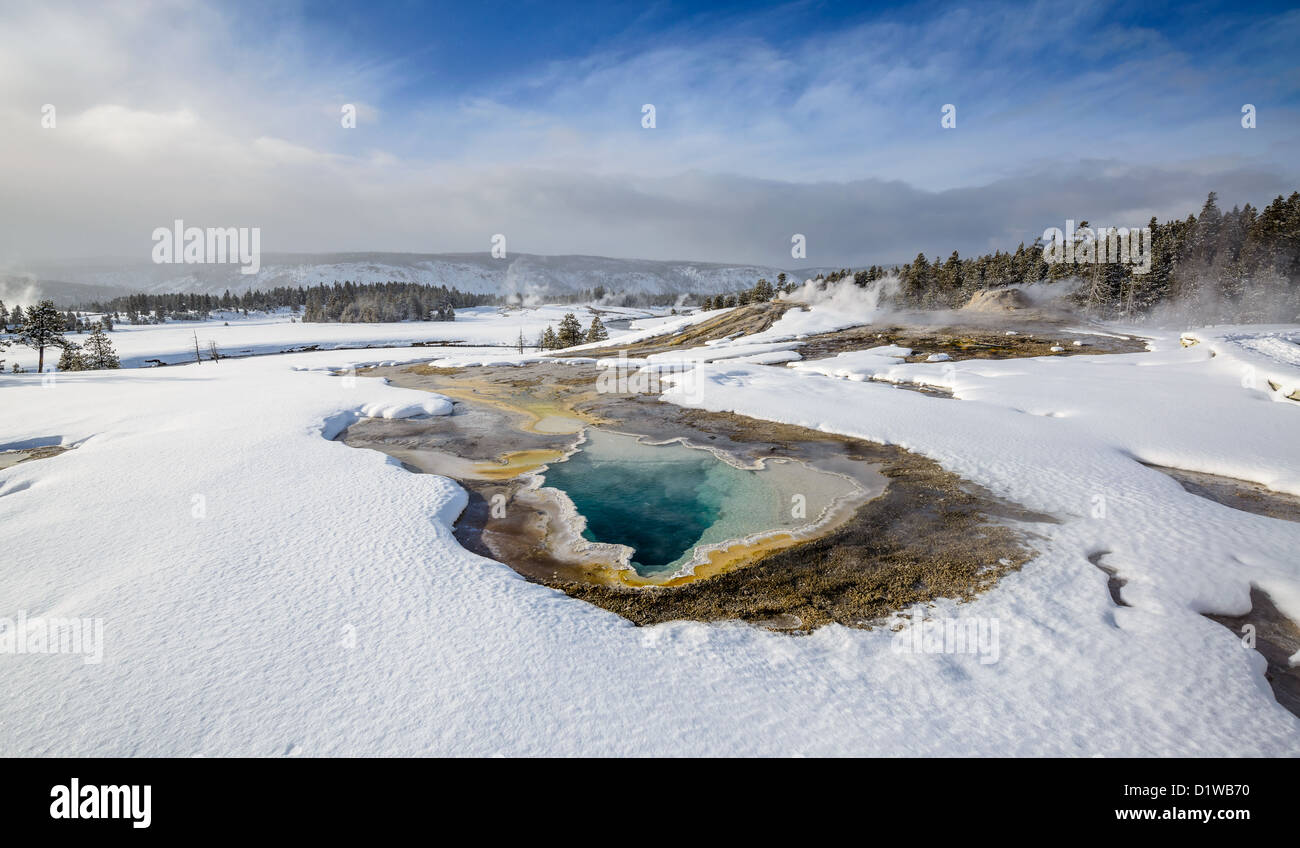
267	591
260	333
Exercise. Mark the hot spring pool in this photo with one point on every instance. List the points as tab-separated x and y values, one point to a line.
667	501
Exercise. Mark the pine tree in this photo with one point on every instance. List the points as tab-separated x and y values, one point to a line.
549	340
570	332
597	333
42	328
98	353
71	359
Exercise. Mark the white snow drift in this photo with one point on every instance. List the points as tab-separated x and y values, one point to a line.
267	591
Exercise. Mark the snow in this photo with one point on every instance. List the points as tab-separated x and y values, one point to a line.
858	364
725	350
1261	354
265	589
436	405
260	333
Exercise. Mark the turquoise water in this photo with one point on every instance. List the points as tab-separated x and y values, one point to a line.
664	501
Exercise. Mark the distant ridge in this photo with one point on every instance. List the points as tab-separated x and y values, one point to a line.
530	276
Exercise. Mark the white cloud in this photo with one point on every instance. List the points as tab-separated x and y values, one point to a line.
167	109
131	132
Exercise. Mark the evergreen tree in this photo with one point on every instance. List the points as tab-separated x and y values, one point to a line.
42	328
548	340
98	352
597	333
71	359
570	332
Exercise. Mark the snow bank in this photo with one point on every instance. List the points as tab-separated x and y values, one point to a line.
857	364
260	334
435	405
266	590
1267	358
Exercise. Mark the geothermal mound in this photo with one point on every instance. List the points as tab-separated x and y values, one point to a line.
997	300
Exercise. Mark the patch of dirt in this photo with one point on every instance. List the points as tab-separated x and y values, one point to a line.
743	320
1236	494
1114	583
1277	638
962	335
966	342
11	458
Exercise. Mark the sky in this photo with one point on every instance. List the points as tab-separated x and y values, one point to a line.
526	120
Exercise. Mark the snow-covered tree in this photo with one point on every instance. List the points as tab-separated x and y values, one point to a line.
570	332
98	352
71	358
42	328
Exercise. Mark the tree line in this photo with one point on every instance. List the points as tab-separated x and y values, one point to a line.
568	334
761	292
345	302
1242	265
42	327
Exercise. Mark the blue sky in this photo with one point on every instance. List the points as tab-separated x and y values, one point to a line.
525	119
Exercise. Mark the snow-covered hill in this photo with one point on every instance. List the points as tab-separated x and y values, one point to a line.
529	275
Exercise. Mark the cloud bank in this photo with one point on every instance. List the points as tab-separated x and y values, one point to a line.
169	110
